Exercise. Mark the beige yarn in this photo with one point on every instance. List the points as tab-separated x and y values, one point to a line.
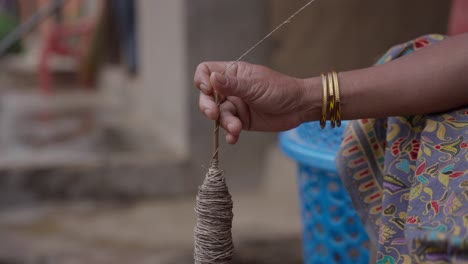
213	238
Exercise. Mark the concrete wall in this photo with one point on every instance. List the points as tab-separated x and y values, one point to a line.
163	92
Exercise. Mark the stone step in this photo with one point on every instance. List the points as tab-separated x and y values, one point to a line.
81	145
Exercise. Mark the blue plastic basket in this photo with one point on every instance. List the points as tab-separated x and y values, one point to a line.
332	231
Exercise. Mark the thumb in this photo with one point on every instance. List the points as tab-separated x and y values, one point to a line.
228	85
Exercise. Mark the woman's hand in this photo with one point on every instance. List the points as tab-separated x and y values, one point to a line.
254	98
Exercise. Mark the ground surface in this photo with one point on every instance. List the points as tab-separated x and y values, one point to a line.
266	227
151	232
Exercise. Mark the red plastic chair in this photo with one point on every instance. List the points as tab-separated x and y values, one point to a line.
57	43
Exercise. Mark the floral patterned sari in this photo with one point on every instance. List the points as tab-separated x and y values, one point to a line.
407	177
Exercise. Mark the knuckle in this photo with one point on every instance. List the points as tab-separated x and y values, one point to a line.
223	108
202	67
223	120
233	82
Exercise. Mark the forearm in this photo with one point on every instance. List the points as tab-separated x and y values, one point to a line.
431	80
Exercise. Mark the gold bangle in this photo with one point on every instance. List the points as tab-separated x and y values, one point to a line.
332	99
338	100
323	120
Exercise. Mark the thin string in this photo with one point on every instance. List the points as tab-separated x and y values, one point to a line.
215	157
288	20
213	236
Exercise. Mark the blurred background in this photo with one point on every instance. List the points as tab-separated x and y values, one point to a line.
102	146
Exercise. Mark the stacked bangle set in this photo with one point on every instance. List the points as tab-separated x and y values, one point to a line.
331	107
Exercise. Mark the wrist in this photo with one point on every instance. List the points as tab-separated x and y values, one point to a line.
311	99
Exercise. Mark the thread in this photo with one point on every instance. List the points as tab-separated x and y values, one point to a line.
288	20
213	237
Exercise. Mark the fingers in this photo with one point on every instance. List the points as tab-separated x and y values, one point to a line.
227	111
230	122
242	111
230	139
204	70
208	106
227	114
202	78
228	85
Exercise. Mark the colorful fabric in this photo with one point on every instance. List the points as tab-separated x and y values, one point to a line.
407	177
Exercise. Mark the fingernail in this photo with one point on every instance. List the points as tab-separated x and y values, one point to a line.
204	87
221	78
